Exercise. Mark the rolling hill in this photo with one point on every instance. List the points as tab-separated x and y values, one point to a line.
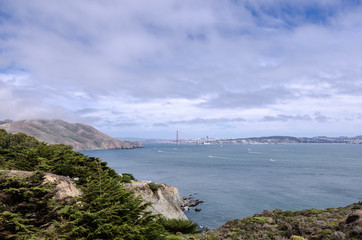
80	136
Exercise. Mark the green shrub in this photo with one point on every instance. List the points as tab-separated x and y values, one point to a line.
130	175
154	187
316	211
26	206
297	238
2	162
179	225
357	207
174	238
127	177
107	211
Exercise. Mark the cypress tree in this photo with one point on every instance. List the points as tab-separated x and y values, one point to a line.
107	211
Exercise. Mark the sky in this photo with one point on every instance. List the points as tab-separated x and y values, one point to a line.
216	68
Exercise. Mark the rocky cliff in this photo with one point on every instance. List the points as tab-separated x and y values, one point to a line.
80	136
165	199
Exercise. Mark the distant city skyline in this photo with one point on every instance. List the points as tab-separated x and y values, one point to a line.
223	69
207	138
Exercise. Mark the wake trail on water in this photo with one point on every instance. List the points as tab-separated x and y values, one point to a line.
256	152
217	157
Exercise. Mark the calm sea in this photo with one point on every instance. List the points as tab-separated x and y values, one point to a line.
236	181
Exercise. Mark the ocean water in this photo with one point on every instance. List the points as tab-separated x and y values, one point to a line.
237	181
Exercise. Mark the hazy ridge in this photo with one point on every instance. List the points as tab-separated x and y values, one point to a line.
80	136
285	140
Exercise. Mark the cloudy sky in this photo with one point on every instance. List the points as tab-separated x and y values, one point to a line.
204	67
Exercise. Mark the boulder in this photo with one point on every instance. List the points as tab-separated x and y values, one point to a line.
65	188
355	218
189	202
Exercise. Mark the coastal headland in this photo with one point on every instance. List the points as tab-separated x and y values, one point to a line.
78	135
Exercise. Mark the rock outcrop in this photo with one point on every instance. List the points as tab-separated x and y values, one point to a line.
355	218
65	187
190	202
165	199
78	135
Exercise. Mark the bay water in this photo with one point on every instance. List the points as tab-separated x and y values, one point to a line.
237	181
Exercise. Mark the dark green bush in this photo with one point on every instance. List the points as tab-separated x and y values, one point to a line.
153	187
130	175
179	225
27	205
127	177
107	211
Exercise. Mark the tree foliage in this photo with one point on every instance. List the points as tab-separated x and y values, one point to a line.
105	210
26	206
179	225
22	152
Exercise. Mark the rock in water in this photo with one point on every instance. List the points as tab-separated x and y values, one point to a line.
189	202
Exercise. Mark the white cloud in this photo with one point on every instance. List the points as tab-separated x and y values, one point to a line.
16	80
145	63
25	104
